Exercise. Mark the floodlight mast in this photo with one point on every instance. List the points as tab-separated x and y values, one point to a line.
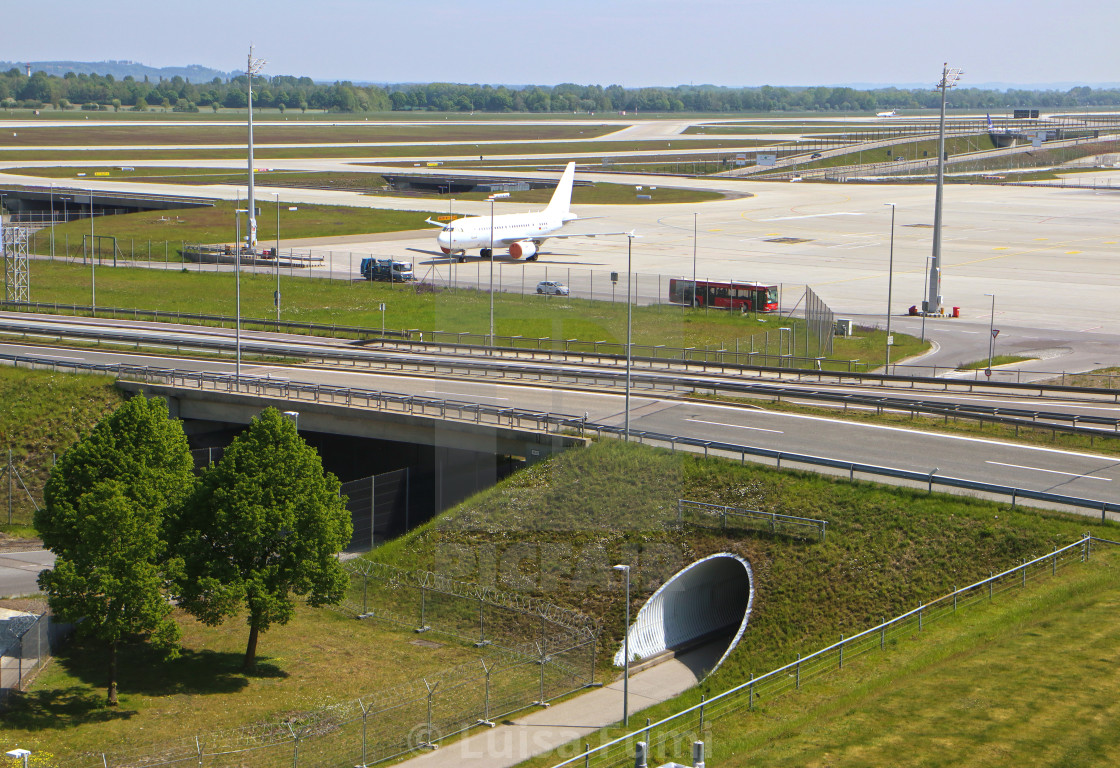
949	78
253	67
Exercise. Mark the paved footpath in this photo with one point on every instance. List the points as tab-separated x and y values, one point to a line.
543	730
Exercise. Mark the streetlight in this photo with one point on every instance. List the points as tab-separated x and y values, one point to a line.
252	67
52	222
92	260
629	327
991	335
491	274
626	649
19	754
237	211
276	258
890	282
693	261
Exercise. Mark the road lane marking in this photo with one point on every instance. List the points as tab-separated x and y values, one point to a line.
1051	471
735	426
464	394
811	216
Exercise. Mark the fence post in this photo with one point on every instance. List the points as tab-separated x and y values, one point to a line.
365	716
703	698
423	611
841	652
543	660
198	749
919	616
991	576
954	598
750	693
295	748
798	674
481	626
640	750
428	735
883	635
486	701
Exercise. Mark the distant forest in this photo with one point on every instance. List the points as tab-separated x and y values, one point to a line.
104	92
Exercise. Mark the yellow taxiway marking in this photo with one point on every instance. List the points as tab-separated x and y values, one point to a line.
773	234
1042	238
1110	242
1071	253
1000	248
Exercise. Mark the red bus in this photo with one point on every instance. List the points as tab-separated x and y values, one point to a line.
749	297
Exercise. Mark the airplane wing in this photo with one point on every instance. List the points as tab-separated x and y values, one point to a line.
586	234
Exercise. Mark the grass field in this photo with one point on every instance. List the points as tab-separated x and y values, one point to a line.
369	182
321	657
532	149
976	365
216	224
307	133
355	303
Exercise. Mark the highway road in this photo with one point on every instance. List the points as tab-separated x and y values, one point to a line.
1086	474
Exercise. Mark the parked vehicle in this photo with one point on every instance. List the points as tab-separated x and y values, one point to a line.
387	270
552	288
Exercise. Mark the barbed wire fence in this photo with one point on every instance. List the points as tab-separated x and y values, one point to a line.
530	652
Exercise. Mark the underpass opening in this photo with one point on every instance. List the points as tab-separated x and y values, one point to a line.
706	604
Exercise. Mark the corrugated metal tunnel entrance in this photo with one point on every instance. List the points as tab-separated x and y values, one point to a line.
707	600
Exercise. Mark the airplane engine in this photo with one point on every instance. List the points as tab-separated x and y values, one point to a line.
525	249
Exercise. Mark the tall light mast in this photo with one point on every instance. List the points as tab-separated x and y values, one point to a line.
253	67
949	78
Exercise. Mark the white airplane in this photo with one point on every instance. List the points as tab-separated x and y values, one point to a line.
892	113
521	233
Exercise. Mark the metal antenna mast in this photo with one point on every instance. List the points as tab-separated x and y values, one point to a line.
949	78
253	67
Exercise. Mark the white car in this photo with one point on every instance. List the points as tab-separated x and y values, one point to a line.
552	288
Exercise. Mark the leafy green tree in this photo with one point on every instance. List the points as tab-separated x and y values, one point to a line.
265	523
107	502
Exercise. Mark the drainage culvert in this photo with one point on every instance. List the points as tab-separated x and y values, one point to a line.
708	601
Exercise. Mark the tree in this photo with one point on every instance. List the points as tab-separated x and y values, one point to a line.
107	502
264	524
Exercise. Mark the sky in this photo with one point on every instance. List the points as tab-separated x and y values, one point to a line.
631	43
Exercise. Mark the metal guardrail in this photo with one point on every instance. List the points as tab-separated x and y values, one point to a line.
1017	417
773	519
727	361
516	418
664	738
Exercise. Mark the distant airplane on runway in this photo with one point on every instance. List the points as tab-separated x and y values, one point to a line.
892	113
522	233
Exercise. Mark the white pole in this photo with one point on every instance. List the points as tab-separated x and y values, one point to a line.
890	281
991	333
237	282
276	257
626	648
629	345
93	259
693	260
491	274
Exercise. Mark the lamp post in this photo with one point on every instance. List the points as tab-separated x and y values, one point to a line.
52	222
19	754
991	335
252	67
237	281
491	274
629	328
276	259
890	285
92	260
626	652
694	260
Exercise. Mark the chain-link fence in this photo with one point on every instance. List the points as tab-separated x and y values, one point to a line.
671	739
26	640
530	652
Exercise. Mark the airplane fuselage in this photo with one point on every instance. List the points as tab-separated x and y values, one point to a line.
477	232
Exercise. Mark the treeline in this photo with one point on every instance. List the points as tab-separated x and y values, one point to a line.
104	92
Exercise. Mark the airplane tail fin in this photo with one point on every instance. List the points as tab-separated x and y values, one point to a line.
990	127
561	201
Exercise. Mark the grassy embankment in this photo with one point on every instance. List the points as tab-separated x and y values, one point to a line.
42	414
553	531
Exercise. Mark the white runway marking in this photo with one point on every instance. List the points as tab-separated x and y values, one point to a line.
811	216
1051	471
736	426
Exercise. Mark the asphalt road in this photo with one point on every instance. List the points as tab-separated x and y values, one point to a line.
1088	475
19	570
